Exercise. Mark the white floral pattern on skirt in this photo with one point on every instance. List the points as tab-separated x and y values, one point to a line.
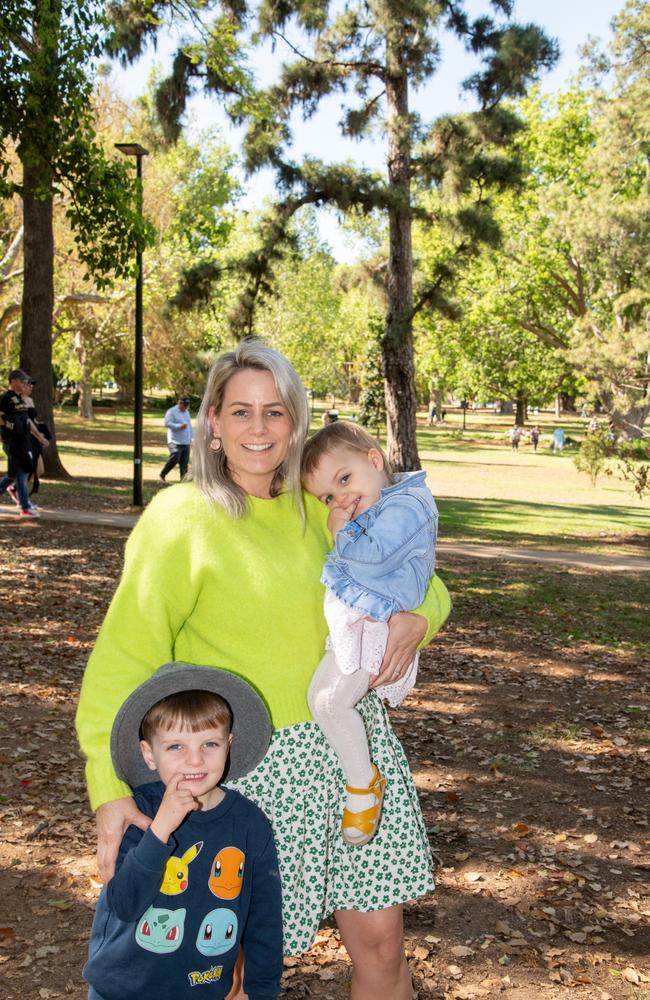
300	787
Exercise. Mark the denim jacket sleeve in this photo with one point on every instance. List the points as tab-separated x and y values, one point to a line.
401	527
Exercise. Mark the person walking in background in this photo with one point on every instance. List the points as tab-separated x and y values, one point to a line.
39	441
17	432
515	437
534	437
558	439
178	422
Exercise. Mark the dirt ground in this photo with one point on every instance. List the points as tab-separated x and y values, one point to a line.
528	752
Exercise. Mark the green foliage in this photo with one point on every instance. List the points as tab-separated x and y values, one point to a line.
594	452
46	55
370	55
600	452
372	402
562	303
634	466
191	193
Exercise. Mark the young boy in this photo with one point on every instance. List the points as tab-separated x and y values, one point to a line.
203	880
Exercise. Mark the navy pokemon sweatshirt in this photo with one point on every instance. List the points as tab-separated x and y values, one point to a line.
170	922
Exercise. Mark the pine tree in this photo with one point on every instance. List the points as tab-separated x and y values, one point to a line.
372	53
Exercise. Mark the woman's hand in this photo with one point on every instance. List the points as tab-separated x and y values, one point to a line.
111	820
406	631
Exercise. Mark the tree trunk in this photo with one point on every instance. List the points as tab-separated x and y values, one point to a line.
85	404
629	424
38	302
397	343
558	406
520	416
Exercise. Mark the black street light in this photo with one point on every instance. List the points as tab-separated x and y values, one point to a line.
134	149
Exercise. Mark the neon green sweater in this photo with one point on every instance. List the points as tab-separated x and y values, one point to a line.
199	587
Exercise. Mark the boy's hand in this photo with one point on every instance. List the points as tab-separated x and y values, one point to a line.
176	803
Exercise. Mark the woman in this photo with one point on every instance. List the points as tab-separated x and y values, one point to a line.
224	571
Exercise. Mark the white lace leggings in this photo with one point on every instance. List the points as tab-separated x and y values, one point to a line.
332	698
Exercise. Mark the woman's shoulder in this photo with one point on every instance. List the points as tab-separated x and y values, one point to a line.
315	510
180	504
176	514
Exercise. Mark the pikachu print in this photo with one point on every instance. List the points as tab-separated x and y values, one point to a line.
176	876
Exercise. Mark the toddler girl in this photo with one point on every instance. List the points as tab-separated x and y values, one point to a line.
384	527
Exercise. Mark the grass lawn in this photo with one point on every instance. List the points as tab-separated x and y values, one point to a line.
485	491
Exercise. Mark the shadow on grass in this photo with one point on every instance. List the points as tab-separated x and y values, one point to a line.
110	454
559	605
543	524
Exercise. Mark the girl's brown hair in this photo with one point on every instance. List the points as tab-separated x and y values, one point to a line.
193	710
340	434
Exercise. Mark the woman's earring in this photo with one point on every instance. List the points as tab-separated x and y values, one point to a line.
215	444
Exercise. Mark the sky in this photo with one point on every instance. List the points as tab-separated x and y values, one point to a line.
571	22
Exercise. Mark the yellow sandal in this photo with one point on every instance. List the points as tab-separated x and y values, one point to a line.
366	821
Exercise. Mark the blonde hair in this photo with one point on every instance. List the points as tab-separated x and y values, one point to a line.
210	468
192	710
340	434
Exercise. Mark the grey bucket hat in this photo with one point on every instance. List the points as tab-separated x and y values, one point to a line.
251	721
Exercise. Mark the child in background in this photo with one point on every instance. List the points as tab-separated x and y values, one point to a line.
384	529
203	879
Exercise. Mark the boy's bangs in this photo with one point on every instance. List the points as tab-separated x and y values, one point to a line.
191	710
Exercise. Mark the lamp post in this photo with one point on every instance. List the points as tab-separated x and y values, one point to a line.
134	149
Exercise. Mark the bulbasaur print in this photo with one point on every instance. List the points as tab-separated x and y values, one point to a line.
160	931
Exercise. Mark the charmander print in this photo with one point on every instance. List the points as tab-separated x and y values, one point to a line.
227	873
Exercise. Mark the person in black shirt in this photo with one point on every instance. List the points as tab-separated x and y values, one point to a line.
16	429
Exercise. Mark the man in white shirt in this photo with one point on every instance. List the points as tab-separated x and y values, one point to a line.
179	437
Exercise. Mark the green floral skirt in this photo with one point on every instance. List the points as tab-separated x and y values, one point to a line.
300	787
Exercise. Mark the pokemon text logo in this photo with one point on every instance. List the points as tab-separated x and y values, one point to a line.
211	975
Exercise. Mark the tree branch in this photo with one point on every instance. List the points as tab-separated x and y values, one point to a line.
8	277
11	254
548	335
367	67
13	309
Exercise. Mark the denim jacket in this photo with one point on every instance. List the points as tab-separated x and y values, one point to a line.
382	561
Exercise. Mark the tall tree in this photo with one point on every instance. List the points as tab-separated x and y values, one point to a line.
573	270
46	53
372	53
